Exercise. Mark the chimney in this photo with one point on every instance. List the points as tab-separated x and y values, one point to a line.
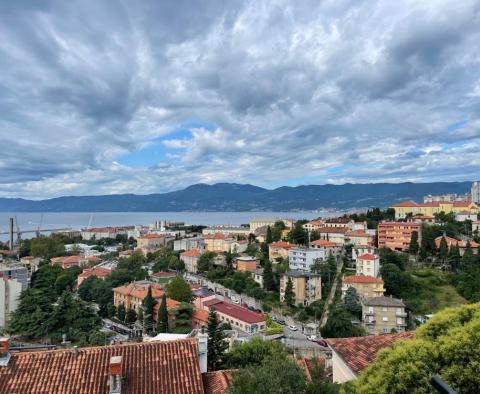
4	353
202	351
115	375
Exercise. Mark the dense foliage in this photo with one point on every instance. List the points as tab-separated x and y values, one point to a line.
447	346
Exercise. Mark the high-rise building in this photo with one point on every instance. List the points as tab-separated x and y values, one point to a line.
476	192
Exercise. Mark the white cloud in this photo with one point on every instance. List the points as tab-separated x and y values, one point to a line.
293	90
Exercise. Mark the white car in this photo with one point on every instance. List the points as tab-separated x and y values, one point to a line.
235	301
293	328
312	337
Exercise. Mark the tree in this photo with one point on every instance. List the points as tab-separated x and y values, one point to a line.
148	305
298	235
268	275
121	312
289	296
277	230
216	342
179	290
352	303
205	261
46	247
443	250
454	257
339	325
254	352
269	237
131	316
443	347
274	375
413	247
183	315
468	258
162	319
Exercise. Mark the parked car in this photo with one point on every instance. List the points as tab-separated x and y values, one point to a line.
281	321
293	328
312	337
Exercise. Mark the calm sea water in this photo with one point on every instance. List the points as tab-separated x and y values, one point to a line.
78	220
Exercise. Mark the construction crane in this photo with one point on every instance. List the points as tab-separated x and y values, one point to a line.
19	234
90	221
39	226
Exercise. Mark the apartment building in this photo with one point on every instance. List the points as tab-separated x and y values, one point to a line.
189	243
397	235
334	234
358	237
132	294
368	264
151	243
15	271
475	193
279	250
260	222
257	276
240	318
329	248
346	223
405	208
306	286
10	290
103	232
381	315
190	259
314	225
358	250
366	286
304	258
235	231
220	243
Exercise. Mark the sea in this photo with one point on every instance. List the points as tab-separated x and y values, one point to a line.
30	221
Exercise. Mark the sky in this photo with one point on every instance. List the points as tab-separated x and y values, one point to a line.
106	97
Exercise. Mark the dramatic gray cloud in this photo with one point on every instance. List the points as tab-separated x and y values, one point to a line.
119	96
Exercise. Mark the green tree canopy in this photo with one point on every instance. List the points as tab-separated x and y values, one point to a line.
216	342
162	319
446	346
148	305
254	352
413	247
179	290
289	296
339	324
205	261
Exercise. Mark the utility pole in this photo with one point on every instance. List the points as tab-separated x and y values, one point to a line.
10	234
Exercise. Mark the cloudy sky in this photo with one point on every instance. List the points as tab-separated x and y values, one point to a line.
100	97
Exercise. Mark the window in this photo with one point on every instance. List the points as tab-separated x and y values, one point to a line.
386	330
370	309
384	309
385	318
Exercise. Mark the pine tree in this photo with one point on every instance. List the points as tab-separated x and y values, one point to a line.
454	257
289	294
131	316
267	275
413	248
121	312
148	304
216	341
468	258
162	320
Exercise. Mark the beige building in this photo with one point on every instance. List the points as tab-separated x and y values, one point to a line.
279	250
260	222
330	248
257	276
381	315
314	225
190	259
220	243
366	286
151	243
306	286
334	234
132	294
358	237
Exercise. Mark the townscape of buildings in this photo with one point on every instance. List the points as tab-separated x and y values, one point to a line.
384	318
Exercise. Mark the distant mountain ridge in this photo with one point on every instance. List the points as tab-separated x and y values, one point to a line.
230	197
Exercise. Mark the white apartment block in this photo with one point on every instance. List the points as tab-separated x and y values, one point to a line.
368	264
303	258
476	192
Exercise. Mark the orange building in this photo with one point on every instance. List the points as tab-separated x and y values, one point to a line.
247	263
132	294
279	250
397	235
99	272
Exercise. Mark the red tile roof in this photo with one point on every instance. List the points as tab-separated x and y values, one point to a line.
453	241
99	272
151	236
324	242
191	253
217	382
332	230
359	352
140	290
282	244
361	279
237	312
150	367
368	256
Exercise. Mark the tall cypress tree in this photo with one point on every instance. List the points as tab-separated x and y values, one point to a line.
148	305
269	237
162	320
443	250
267	275
216	341
413	247
289	294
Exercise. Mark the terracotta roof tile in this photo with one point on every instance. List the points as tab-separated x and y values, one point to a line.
151	367
324	242
333	230
359	352
217	382
191	253
237	312
99	272
361	279
282	244
368	256
140	290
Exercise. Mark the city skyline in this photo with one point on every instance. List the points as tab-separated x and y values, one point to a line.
104	98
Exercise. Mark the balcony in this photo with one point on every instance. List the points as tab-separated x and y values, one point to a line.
369	313
370	322
400	314
401	324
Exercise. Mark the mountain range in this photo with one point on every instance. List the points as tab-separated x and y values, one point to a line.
230	197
